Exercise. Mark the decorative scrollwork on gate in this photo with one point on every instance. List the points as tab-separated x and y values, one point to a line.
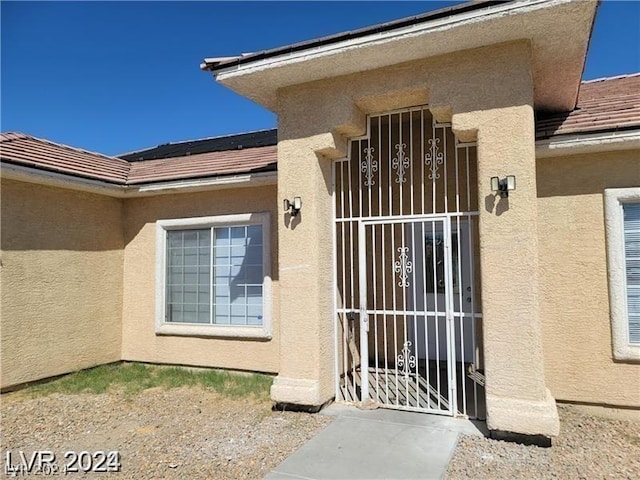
403	267
405	360
369	166
401	163
433	158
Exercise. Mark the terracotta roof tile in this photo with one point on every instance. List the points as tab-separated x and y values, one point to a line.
603	105
21	149
24	150
204	164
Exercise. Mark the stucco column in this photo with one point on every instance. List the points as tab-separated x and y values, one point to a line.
305	273
312	131
516	396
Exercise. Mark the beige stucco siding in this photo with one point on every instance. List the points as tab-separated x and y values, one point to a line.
467	89
61	281
574	303
139	339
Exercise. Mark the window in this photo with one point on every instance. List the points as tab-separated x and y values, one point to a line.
436	242
622	209
213	276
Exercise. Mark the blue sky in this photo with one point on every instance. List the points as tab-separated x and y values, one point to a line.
118	76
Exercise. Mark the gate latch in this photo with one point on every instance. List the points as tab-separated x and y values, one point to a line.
365	321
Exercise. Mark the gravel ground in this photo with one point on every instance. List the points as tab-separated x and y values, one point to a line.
589	447
193	433
178	433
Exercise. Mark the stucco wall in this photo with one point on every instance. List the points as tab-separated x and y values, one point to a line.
139	340
61	278
574	303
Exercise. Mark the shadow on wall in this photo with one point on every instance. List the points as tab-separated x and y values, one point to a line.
36	217
587	174
140	215
292	221
496	202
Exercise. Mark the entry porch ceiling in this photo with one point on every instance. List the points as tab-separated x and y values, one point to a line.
559	32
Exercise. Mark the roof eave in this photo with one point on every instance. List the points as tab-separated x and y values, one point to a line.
588	142
556	49
41	176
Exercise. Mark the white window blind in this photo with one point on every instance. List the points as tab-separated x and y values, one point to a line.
632	267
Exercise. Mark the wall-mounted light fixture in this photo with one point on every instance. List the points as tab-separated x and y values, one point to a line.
294	205
503	186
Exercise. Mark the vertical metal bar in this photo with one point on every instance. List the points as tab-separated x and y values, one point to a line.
384	308
390	213
395	323
353	226
334	254
360	212
404	316
425	308
436	310
446	175
455	149
390	151
451	351
400	165
462	316
380	165
468	209
364	379
370	213
411	160
471	228
413	307
374	282
364	317
422	209
433	164
345	320
351	253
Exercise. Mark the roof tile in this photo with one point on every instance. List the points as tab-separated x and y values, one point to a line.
21	149
603	105
228	162
25	150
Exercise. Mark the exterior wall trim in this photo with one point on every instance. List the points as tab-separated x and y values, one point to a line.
60	180
613	200
582	143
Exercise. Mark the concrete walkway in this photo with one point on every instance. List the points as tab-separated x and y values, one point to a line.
375	444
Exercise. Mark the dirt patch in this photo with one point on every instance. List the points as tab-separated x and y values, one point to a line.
588	447
186	432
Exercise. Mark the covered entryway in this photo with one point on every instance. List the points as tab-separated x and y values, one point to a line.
407	276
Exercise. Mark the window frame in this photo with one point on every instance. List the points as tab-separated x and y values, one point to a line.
162	327
614	199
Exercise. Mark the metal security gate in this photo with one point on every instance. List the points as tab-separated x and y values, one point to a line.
408	319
